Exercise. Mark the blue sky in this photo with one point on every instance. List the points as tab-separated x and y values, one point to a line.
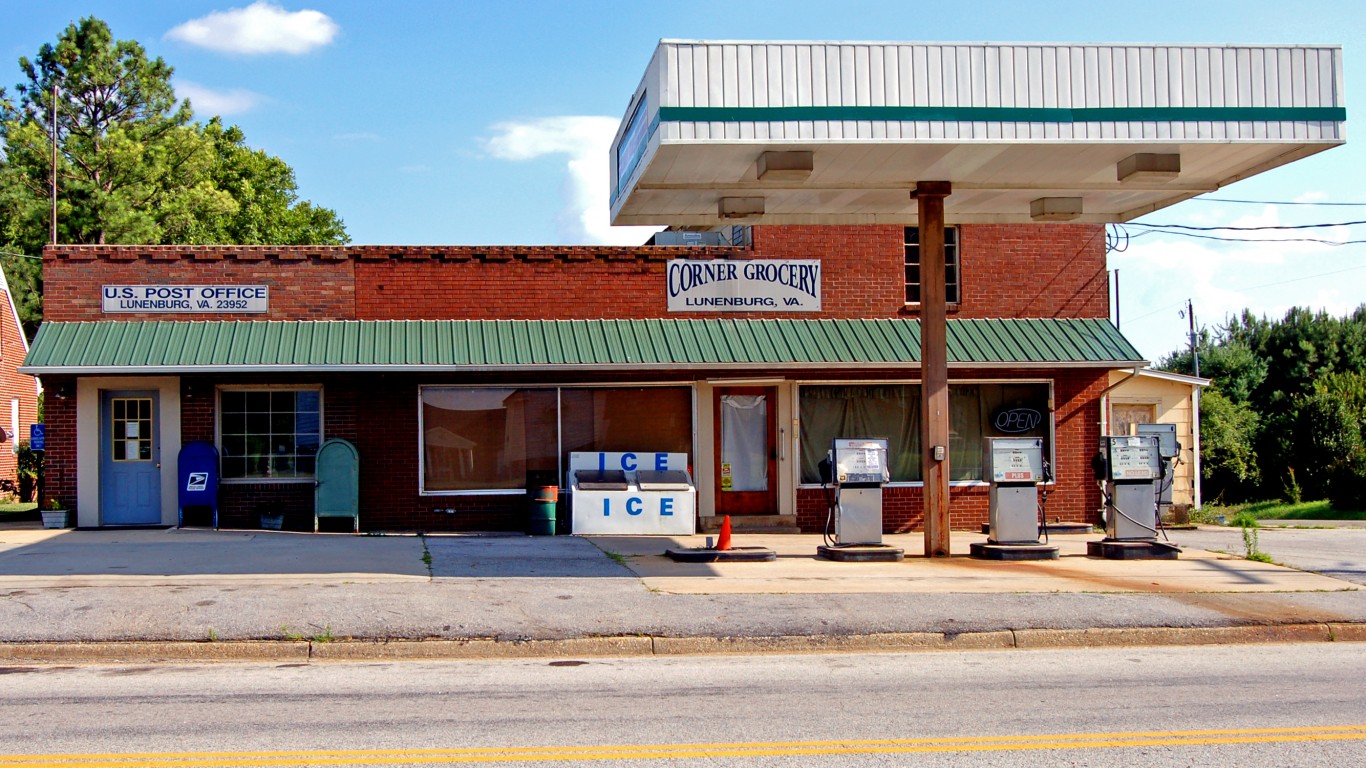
474	122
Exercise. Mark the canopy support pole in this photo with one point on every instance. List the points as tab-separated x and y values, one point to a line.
934	366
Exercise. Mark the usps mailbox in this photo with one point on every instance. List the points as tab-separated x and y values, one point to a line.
198	469
640	492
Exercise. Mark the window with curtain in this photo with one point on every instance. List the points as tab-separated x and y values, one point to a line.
893	411
885	410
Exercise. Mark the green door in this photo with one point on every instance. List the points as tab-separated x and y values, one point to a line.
337	490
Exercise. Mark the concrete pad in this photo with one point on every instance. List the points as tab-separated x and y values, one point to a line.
797	570
72	558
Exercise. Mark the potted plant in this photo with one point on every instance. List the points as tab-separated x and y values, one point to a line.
54	514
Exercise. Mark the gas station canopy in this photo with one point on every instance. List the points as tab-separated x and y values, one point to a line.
722	132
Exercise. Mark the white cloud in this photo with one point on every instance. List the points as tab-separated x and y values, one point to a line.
207	101
1159	272
586	217
261	27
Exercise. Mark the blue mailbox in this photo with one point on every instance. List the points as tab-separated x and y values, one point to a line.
199	478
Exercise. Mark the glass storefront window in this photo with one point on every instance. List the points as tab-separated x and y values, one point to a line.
486	439
627	419
490	439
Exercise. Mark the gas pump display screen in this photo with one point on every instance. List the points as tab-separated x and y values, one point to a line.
1134	457
862	460
1015	459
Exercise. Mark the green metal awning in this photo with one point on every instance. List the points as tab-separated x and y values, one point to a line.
144	347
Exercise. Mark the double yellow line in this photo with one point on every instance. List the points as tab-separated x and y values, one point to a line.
677	751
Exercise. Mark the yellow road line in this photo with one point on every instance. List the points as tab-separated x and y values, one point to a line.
700	750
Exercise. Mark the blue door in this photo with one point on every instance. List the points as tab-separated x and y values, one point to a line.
130	459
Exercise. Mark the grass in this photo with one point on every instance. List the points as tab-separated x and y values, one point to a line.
1284	510
14	511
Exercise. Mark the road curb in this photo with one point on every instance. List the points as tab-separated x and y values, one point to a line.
304	651
395	650
139	651
890	641
1101	637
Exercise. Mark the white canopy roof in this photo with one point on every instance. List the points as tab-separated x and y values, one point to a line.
723	132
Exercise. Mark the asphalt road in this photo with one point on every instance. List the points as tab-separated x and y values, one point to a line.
1336	552
1291	705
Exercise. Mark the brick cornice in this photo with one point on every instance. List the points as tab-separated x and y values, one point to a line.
373	253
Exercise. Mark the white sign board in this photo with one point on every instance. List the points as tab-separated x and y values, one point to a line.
1134	457
185	298
748	285
1015	459
632	511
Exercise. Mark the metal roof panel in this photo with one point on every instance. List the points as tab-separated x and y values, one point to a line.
456	344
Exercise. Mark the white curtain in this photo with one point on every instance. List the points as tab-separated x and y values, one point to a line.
744	442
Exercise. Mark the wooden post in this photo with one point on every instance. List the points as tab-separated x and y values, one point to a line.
934	366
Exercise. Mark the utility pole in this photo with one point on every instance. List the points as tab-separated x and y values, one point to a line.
53	239
1195	353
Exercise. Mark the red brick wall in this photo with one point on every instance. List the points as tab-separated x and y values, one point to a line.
305	284
1039	270
59	415
1033	270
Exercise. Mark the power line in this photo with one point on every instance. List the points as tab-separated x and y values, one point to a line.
1333	243
1276	284
1268	202
1123	236
1246	229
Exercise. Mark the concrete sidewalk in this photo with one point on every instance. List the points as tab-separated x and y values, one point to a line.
141	595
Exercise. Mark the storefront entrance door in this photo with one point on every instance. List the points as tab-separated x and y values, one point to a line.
746	451
130	459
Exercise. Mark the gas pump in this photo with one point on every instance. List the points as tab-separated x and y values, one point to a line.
857	467
1130	469
1015	466
1170	450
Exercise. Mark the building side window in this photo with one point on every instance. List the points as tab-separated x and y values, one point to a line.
952	281
976	411
477	439
269	434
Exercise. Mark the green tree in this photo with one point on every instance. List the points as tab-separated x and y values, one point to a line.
1233	366
1228	461
131	165
1288	396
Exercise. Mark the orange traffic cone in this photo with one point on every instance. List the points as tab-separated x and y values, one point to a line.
723	541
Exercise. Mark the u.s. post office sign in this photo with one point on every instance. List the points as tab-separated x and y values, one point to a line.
749	285
185	298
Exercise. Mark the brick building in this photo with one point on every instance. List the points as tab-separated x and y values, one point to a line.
466	375
17	391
